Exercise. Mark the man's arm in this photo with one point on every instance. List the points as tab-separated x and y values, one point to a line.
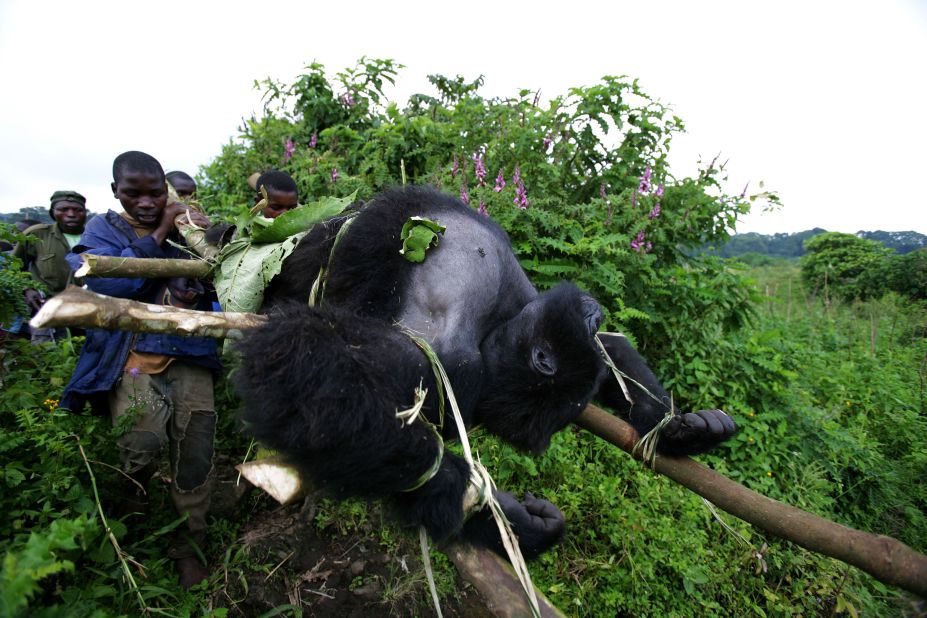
104	239
26	253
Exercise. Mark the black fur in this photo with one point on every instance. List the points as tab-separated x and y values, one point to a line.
322	385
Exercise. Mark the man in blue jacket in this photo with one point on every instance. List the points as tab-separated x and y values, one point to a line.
158	386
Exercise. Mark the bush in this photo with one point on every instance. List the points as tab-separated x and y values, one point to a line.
906	274
842	265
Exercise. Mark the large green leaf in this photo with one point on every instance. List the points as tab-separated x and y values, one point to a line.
298	220
245	270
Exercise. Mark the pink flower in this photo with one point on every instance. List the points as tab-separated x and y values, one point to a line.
314	139
288	149
134	372
334	174
547	142
639	244
464	195
455	169
500	182
655	212
659	191
521	196
645	181
347	99
483	210
479	169
516	177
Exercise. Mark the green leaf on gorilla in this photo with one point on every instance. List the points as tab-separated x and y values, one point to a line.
418	235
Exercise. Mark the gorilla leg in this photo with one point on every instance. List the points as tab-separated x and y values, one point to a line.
323	386
684	434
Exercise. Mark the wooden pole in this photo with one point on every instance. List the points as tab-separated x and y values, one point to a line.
114	266
78	307
494	578
888	560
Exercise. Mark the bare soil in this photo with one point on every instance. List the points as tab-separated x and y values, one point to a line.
301	556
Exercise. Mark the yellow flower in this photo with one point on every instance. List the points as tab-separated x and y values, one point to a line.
769	474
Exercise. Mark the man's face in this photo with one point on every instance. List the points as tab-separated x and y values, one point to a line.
278	202
70	216
143	195
184	187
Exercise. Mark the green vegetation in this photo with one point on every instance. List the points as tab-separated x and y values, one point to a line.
839	263
829	393
851	267
793	245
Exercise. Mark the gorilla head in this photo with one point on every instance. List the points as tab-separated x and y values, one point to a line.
542	367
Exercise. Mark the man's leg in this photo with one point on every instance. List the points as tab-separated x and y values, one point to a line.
193	430
139	404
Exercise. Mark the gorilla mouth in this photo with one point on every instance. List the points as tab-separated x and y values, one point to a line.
530	428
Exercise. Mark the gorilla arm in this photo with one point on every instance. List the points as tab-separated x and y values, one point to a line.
684	434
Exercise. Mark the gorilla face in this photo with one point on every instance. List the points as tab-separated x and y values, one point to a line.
541	368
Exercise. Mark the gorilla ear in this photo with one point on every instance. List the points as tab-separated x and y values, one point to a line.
542	360
592	314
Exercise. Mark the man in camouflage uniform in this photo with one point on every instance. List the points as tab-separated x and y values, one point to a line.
43	254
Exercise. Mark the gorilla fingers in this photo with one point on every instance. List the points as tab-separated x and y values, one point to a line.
695	432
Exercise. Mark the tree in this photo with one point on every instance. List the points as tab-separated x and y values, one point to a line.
907	274
842	264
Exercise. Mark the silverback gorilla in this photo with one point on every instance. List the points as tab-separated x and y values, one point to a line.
322	385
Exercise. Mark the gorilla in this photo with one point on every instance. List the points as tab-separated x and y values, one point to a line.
322	385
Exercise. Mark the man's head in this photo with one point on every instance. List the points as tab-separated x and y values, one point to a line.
140	186
183	184
281	193
69	211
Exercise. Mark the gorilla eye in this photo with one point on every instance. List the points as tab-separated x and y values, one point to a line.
543	361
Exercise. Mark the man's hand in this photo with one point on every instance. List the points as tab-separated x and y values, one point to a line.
196	217
170	212
34	299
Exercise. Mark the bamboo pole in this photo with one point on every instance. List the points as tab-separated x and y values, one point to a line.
78	307
115	266
883	557
888	560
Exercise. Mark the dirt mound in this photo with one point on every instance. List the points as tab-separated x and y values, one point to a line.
327	558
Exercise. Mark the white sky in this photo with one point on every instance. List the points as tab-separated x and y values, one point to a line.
822	100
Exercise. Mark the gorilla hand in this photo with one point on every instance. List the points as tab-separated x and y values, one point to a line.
538	524
692	433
